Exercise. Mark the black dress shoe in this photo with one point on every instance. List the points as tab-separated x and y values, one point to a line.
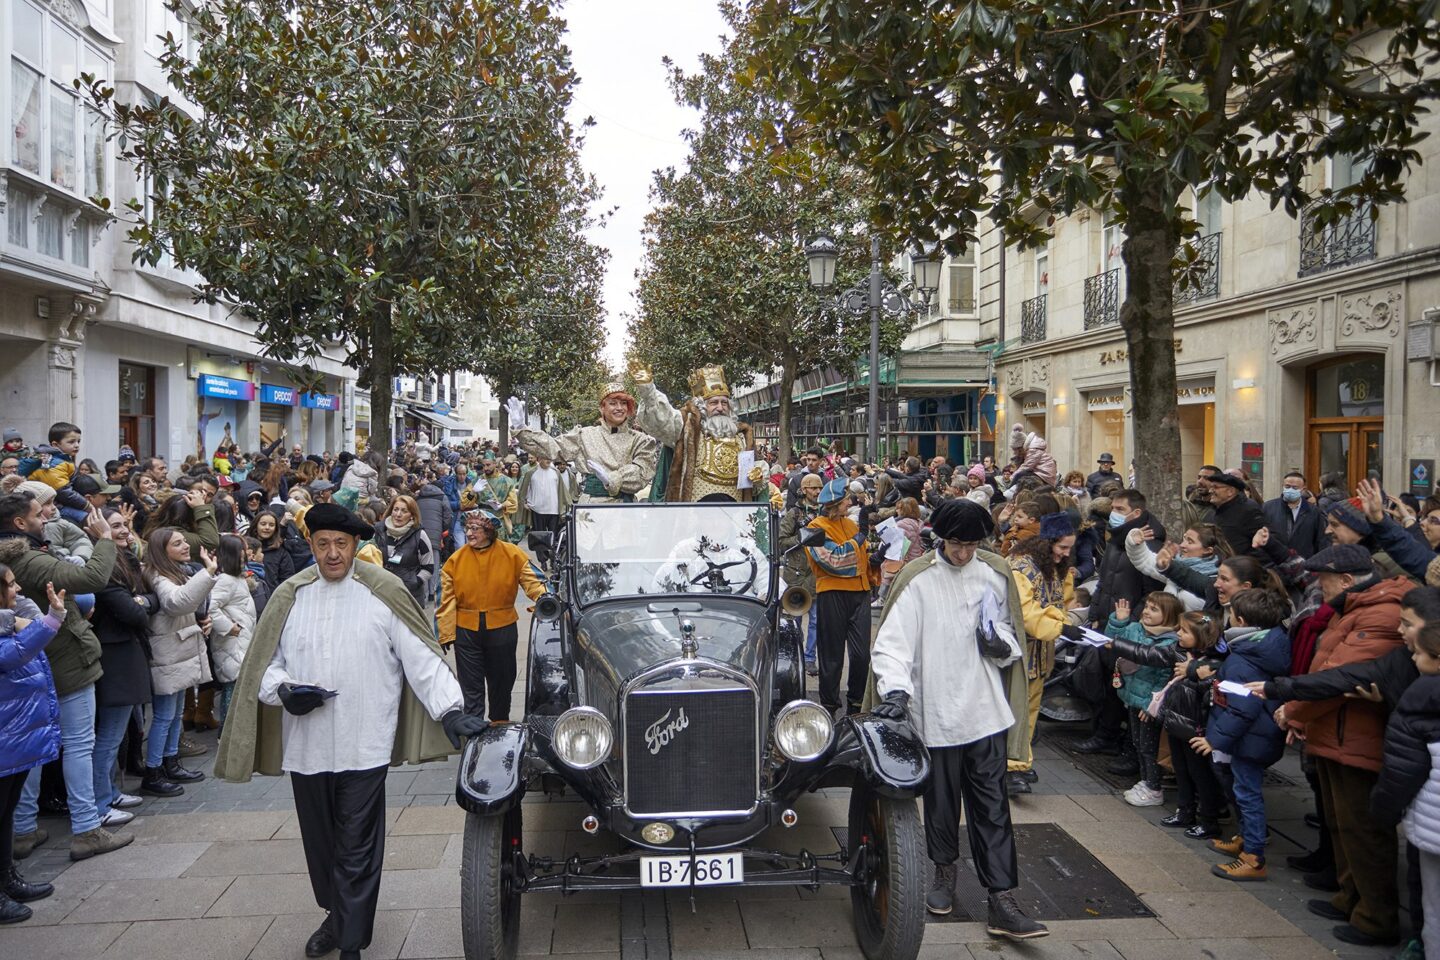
1123	766
322	941
1099	743
1180	818
1326	909
1015	782
1311	862
54	807
157	785
1204	831
1031	776
1324	881
13	912
1347	933
20	890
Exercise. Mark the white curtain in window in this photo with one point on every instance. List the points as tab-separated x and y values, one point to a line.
25	111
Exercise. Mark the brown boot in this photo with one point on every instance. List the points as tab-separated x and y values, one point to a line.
92	843
1231	847
1246	867
189	715
204	718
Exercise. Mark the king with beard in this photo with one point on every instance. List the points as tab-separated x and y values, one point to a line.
705	438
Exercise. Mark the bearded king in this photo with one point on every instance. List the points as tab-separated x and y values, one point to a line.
704	435
614	461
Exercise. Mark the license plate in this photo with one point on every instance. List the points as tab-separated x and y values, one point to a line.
710	870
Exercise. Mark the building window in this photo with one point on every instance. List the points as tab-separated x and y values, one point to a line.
962	281
494	419
80	244
1042	271
50	231
94	154
25	89
17	216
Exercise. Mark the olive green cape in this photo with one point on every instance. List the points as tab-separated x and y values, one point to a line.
251	740
1017	738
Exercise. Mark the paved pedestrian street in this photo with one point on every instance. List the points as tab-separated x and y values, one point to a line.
220	875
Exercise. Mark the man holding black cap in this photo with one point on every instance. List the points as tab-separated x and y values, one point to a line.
946	657
347	653
1237	516
1103	474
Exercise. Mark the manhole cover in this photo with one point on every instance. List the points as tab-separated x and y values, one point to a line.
1059	880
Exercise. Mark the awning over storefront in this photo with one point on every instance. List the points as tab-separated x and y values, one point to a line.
444	422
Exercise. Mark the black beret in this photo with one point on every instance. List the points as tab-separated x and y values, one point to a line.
332	516
963	520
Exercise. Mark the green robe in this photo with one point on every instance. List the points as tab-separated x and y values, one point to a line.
251	742
1017	738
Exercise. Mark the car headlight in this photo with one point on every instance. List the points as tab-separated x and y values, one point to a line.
582	738
803	730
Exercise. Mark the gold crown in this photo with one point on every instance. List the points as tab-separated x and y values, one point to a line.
709	382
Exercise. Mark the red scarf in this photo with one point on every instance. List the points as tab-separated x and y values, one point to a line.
1302	645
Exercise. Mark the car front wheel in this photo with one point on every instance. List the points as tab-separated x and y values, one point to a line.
889	905
489	896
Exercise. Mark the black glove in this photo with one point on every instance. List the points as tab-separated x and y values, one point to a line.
895	705
991	644
1071	632
459	724
301	698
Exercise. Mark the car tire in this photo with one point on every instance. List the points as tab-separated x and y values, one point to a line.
889	909
489	903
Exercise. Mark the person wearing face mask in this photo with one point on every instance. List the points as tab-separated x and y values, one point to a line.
1294	519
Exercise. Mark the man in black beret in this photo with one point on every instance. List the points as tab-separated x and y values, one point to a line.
1232	510
947	658
351	659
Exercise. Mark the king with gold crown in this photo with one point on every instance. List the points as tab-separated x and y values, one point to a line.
706	439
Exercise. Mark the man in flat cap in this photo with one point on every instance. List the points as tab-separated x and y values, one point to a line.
947	657
615	462
1232	510
349	656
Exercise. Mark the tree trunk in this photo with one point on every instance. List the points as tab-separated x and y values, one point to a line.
382	380
1148	318
787	386
502	393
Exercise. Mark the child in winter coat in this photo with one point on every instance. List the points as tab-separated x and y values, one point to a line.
1242	735
1184	713
232	618
1156	629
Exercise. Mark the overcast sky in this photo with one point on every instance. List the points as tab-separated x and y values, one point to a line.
617	46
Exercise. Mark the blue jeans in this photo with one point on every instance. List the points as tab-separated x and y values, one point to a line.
165	725
227	694
810	635
110	724
77	739
1247	777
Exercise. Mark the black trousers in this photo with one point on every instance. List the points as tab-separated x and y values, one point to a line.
843	625
544	522
972	777
342	827
10	787
1200	790
485	660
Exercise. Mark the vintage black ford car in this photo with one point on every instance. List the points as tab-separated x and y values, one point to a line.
666	689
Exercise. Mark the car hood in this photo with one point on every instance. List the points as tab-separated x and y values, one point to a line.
617	639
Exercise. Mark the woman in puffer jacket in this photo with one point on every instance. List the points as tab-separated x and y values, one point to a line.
232	618
1408	789
178	659
30	717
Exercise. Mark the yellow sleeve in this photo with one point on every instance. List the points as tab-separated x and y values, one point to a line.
533	586
445	615
57	475
1041	623
370	554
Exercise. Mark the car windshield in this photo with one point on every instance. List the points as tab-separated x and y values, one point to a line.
710	548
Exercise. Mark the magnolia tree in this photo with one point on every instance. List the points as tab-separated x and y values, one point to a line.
373	176
1022	111
724	278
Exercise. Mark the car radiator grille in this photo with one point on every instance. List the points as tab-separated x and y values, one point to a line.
690	751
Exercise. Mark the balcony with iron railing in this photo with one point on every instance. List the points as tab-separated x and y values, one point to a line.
1033	319
1347	240
1102	299
1204	275
962	304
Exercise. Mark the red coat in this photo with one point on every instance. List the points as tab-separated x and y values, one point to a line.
1349	731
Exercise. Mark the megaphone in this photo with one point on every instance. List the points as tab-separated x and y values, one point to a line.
795	602
547	608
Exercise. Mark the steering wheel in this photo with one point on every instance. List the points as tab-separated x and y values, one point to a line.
713	573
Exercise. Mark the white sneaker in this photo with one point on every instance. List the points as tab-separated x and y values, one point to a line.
116	818
125	801
1142	795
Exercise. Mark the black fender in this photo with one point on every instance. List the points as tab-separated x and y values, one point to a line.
888	756
789	663
491	778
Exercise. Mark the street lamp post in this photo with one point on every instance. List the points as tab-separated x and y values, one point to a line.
875	296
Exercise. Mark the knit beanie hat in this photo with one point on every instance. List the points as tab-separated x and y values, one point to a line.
40	491
1056	526
1351	513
